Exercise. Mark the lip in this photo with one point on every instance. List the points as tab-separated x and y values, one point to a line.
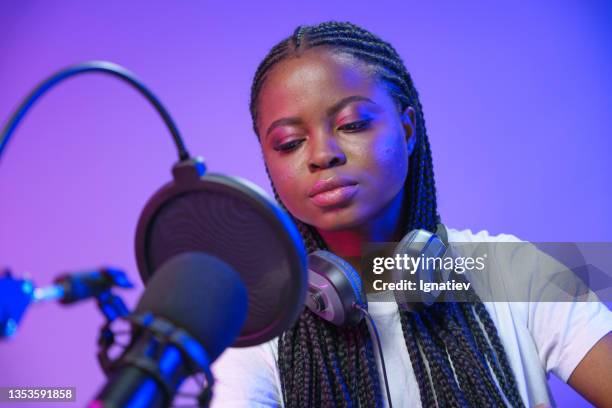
333	191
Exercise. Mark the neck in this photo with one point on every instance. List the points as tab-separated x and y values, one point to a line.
386	226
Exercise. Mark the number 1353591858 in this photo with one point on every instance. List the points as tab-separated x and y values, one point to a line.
42	394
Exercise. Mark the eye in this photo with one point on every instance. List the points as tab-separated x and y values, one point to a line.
287	147
355	126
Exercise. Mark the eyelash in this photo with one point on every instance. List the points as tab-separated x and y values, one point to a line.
287	147
363	124
360	126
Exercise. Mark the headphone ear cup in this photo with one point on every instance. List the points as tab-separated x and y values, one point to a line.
333	288
421	244
349	272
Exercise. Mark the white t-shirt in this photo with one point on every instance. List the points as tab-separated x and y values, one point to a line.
539	337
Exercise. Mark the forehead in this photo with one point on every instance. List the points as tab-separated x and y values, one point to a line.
306	85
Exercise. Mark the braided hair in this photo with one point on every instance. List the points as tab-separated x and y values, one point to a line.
454	348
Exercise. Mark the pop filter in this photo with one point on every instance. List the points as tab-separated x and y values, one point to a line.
226	217
234	220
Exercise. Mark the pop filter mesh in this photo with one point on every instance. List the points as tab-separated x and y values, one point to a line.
236	228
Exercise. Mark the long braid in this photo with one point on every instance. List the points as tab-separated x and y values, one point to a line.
352	349
483	346
324	371
452	348
308	368
474	378
331	342
447	390
498	347
420	370
372	380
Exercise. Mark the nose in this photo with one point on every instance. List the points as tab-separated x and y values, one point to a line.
325	153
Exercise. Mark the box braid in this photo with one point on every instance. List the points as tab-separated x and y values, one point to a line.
455	350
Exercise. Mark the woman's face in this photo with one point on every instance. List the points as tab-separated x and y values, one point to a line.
333	141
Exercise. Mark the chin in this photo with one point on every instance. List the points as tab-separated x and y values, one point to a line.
337	219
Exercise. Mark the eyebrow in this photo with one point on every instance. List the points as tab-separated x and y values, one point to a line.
337	107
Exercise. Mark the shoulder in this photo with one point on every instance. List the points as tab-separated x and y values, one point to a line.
537	301
467	235
500	253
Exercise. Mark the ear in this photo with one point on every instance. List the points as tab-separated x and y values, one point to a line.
409	124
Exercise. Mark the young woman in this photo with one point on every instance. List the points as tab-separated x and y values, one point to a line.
343	137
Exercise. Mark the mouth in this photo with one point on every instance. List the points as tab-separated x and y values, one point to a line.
333	192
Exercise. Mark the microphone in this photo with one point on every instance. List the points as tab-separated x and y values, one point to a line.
223	266
193	307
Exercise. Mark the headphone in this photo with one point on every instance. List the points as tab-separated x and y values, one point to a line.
335	291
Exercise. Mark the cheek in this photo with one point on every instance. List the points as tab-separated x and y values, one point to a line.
389	160
285	183
286	179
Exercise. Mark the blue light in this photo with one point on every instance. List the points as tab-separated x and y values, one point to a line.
143	395
169	360
27	287
10	328
48	293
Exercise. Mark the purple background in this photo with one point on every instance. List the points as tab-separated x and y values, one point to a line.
517	98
